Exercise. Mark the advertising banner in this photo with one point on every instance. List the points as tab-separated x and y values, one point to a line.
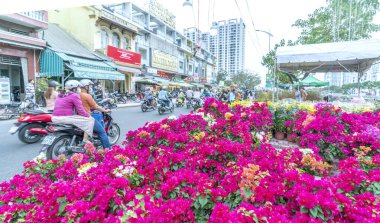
124	56
164	61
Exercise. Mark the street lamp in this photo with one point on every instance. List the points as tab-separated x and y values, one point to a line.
274	77
188	3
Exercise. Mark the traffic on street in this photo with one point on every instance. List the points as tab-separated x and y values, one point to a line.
15	153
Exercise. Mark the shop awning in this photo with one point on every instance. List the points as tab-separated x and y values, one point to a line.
181	84
198	85
129	69
54	63
144	80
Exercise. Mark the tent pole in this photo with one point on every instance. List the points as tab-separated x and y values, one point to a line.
274	79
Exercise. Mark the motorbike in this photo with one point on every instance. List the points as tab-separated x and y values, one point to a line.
29	121
65	139
162	107
118	97
8	111
180	102
145	106
196	103
131	97
189	102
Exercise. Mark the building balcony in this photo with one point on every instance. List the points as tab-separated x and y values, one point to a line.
36	19
21	40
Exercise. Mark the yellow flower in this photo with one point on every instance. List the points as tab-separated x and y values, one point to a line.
228	115
164	126
214	105
243	115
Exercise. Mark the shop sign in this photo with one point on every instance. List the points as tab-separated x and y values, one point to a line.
124	56
157	10
165	74
164	61
151	70
118	20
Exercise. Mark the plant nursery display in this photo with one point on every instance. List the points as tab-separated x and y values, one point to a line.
216	165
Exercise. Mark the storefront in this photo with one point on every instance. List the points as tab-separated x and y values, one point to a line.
128	63
17	67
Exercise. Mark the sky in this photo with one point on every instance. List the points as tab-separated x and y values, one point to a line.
274	16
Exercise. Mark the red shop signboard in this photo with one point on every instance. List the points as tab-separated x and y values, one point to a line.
124	56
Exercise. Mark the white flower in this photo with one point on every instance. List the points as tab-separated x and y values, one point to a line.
41	156
306	151
173	117
86	167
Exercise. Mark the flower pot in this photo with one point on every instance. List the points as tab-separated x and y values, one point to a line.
279	135
290	138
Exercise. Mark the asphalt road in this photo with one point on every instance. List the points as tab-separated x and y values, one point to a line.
14	153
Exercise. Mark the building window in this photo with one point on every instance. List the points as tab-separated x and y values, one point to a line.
126	43
180	65
103	38
115	40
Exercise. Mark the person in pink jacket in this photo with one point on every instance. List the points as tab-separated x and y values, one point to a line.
68	109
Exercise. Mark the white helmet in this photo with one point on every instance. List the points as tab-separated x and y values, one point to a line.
86	82
72	84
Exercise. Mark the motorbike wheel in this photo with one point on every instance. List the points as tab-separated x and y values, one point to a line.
113	133
144	108
122	100
25	136
172	108
161	111
52	152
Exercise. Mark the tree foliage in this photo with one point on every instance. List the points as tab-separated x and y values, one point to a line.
339	20
246	79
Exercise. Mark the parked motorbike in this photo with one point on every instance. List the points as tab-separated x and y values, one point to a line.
189	102
146	105
118	97
65	139
180	102
163	107
8	111
29	121
131	97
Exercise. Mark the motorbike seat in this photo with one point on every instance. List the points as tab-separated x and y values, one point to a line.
14	104
37	112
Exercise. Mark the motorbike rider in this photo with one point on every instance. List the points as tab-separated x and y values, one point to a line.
181	97
164	96
68	109
189	94
50	95
148	96
90	104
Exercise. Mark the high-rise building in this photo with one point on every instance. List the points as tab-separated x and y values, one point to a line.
228	45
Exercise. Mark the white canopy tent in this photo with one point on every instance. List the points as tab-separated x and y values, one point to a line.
352	56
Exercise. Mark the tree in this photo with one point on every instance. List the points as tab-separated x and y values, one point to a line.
340	20
246	79
269	61
329	24
222	75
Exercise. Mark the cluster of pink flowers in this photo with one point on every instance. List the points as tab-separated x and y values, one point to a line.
191	169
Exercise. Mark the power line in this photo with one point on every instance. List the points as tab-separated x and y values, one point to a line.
253	24
259	51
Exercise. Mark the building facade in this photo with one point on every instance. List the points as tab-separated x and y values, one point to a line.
342	78
20	46
108	35
166	54
228	45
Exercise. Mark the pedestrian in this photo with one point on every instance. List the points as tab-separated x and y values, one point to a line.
303	94
238	95
298	95
30	90
50	95
232	96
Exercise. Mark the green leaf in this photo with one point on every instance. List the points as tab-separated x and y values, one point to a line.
304	210
62	207
202	201
314	212
139	196
255	218
131	204
131	213
158	194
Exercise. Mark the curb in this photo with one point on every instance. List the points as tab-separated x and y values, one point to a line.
128	105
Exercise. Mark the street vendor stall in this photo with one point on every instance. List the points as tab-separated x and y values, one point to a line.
351	56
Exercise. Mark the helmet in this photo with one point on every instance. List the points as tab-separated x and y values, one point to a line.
72	84
86	82
53	84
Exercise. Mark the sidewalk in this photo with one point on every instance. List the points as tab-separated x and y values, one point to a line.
128	105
